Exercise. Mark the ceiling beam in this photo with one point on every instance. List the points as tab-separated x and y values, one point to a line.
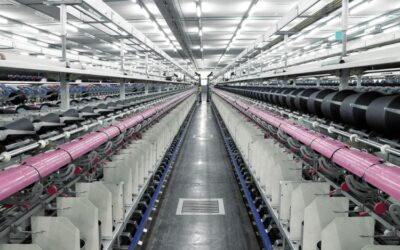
172	16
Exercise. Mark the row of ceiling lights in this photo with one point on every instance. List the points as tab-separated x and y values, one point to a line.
57	39
369	27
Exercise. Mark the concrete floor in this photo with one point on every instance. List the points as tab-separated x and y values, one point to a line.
202	170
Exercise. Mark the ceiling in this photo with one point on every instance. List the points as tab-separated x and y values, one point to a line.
219	22
197	34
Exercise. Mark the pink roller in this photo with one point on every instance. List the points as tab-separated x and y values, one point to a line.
112	131
16	178
75	148
370	167
355	161
386	177
48	162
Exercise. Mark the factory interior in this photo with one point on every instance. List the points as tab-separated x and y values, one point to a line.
200	124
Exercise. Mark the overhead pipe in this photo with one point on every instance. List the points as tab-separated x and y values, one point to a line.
17	177
372	169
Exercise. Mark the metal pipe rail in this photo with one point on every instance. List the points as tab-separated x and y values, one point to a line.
15	178
372	169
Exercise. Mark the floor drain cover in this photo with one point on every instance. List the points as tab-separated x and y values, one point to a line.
200	207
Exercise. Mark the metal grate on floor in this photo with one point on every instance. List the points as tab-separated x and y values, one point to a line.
200	207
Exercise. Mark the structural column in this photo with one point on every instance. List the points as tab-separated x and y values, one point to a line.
344	79
318	81
286	40
122	91
359	81
345	22
122	53
147	64
64	88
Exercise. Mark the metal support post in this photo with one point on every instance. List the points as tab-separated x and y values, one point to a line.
147	64
345	22
122	53
122	91
359	81
318	81
286	41
64	90
344	79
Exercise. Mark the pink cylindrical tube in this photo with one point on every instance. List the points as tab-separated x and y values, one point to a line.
16	178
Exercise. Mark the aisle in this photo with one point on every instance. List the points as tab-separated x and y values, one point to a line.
202	171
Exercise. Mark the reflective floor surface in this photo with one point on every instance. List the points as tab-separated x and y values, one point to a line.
202	170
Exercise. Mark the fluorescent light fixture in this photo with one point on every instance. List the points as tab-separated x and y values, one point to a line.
391	29
74	52
24	53
3	20
378	20
353	30
366	37
43	44
30	29
200	33
360	7
72	28
20	38
198	10
332	21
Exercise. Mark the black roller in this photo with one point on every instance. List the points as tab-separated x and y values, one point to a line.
314	102
332	102
291	97
301	100
277	94
383	115
354	108
282	97
271	94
